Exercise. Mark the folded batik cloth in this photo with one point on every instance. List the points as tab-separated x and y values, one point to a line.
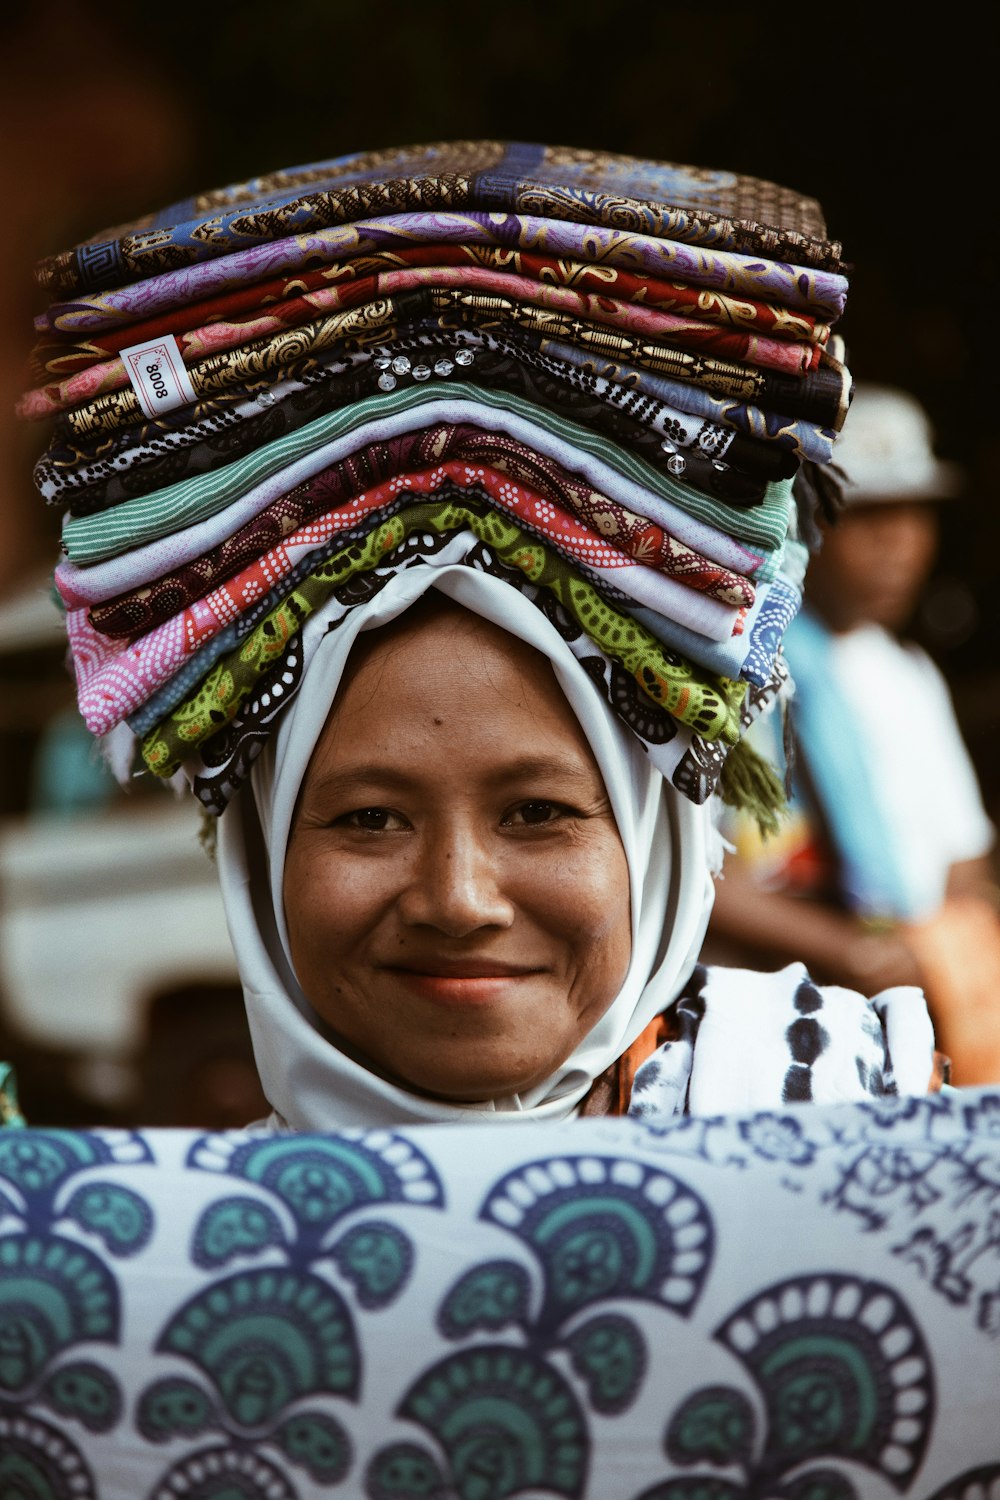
613	383
715	209
588	518
820	395
604	571
242	313
215	735
784	289
275	467
91	473
475	288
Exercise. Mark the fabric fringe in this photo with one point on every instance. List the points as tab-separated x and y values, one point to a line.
751	783
818	492
117	749
208	832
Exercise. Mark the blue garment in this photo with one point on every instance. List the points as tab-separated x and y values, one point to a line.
874	883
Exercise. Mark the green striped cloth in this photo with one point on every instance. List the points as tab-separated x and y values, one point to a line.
91	539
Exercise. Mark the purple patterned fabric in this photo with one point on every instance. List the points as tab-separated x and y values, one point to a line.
820	292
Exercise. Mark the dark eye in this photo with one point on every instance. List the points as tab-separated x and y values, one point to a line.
533	814
371	819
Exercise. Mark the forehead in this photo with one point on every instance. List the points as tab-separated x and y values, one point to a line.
436	629
445	678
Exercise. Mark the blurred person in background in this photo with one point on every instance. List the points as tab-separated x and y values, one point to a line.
884	871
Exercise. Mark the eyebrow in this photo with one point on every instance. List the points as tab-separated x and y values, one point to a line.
567	770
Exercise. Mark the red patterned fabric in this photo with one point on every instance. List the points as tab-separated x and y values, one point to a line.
132	614
667	328
65	357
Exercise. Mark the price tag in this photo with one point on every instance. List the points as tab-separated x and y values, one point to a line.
158	376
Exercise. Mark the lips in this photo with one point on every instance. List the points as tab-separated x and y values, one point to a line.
463	981
463	968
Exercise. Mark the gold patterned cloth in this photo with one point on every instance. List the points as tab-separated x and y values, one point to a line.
821	394
99	337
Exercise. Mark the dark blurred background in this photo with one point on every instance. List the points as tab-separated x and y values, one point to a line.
106	113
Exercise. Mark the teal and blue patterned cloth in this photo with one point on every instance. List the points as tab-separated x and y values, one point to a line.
793	1303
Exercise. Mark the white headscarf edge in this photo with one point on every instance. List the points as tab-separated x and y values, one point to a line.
670	845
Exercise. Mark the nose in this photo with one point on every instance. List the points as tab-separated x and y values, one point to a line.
456	884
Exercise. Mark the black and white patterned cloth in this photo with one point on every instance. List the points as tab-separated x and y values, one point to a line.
745	1036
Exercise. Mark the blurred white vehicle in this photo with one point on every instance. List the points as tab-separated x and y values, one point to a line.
109	904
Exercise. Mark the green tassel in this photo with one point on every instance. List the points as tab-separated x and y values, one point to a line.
751	783
10	1111
208	832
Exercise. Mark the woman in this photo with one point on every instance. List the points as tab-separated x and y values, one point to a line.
449	567
460	888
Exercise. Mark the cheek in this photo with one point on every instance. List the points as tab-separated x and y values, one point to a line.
585	903
305	901
327	905
616	936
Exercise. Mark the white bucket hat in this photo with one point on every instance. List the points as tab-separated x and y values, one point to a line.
886	450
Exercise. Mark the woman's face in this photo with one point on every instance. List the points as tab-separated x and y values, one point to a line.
456	891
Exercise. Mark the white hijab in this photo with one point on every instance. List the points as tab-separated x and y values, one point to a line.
669	845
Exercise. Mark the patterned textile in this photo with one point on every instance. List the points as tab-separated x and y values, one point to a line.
737	1037
802	290
304	452
750	656
474	282
91	475
693	765
787	1300
104	695
243	306
624	530
655	198
135	670
801	436
630	370
820	395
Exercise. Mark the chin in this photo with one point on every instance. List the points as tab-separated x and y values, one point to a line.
466	1087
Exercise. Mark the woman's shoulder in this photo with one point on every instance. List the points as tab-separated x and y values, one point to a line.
754	1039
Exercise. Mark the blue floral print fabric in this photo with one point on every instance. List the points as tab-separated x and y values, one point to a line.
795	1303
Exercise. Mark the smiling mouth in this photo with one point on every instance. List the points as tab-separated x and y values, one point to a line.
464	982
463	968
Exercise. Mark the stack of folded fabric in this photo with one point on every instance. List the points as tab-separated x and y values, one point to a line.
601	378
